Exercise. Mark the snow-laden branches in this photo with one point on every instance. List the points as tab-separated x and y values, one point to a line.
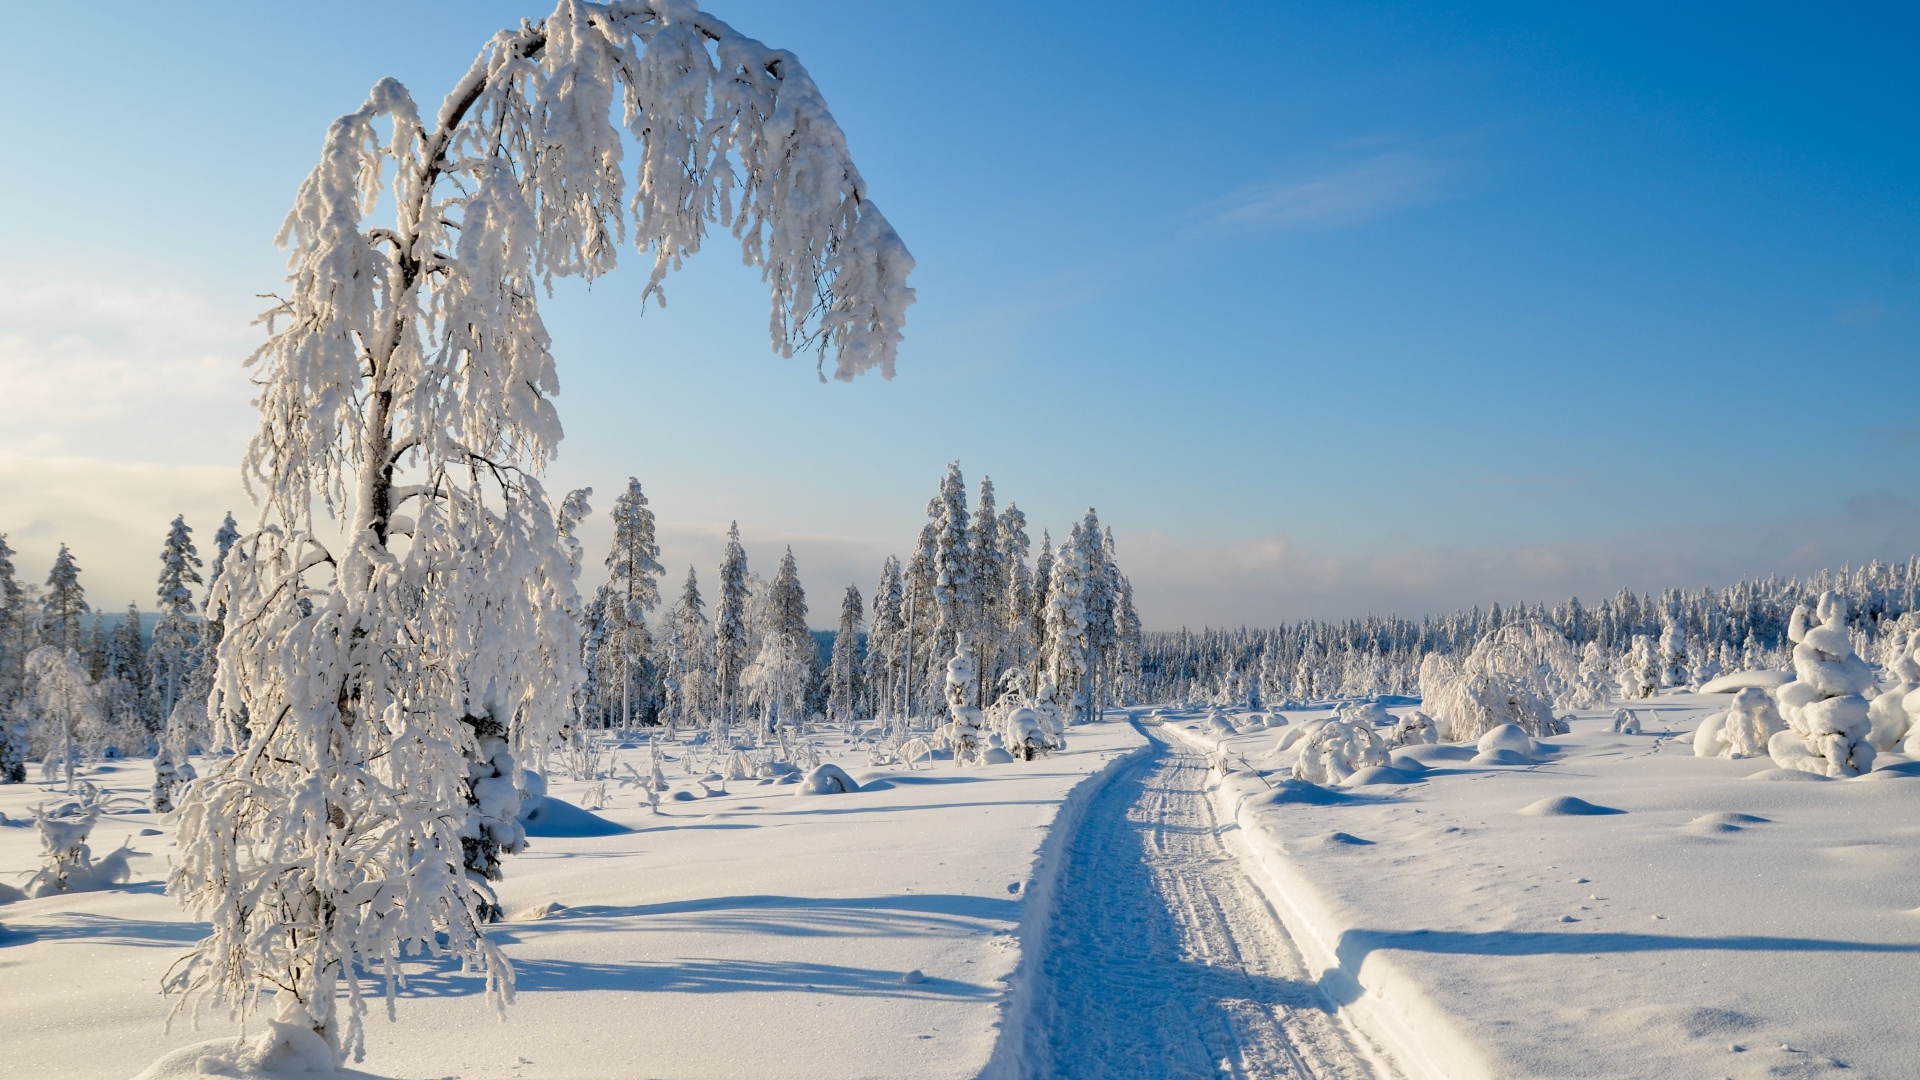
407	365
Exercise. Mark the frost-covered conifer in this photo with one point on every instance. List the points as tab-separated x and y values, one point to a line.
783	664
1673	655
15	632
171	657
633	566
1042	586
1063	648
64	605
406	386
952	564
1018	637
886	642
1823	706
730	626
843	674
987	584
689	675
966	728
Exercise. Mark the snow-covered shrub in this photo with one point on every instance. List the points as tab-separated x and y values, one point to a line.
1824	708
1743	730
1888	714
1509	678
493	827
1626	722
1337	750
1639	674
1025	737
67	863
966	731
168	777
827	779
1413	729
1371	713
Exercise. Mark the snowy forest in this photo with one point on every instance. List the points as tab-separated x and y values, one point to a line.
1056	624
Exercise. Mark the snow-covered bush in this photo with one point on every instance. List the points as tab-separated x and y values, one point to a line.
406	388
1413	729
1337	750
1509	678
1639	674
1824	708
1025	737
1626	722
67	863
1888	714
493	827
168	777
1742	730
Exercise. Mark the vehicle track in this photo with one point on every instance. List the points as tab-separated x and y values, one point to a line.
1164	959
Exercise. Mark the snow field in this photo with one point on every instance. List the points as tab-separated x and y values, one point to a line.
746	934
1478	923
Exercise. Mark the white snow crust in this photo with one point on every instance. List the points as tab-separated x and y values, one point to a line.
739	934
1483	922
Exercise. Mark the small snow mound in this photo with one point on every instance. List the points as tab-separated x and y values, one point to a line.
1406	762
1785	775
1500	755
1893	771
1429	753
551	818
1566	806
1725	822
827	779
547	910
149	832
1379	774
914	976
995	755
683	795
1507	737
1347	840
1290	791
9	894
285	1050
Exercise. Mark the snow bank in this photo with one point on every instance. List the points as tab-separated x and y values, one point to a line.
1486	929
826	779
1740	680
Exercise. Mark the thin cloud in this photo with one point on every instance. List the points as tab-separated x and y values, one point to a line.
1341	194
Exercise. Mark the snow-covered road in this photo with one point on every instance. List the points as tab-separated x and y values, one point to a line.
1163	958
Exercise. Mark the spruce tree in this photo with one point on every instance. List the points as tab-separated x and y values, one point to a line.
1019	640
1064	648
633	565
174	633
843	674
64	604
986	592
730	625
886	642
952	564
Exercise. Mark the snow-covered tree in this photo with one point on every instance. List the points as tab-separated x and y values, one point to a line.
633	572
966	726
1824	706
406	385
688	674
1063	646
730	626
783	663
64	605
952	564
843	674
1019	638
987	585
67	703
16	623
886	642
170	658
1743	730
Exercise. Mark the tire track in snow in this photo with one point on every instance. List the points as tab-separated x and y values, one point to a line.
1163	958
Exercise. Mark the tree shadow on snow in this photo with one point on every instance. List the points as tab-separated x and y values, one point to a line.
1343	986
105	930
701	976
908	915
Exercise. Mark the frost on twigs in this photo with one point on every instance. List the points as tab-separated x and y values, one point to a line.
1824	708
386	688
1338	750
1511	677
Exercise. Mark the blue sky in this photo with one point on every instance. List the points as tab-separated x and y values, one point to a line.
1327	308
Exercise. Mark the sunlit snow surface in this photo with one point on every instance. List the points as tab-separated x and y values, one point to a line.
750	934
1723	925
